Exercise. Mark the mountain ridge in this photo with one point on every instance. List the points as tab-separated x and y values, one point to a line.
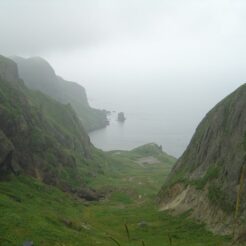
41	137
38	74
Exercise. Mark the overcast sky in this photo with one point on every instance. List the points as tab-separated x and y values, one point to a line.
130	38
192	52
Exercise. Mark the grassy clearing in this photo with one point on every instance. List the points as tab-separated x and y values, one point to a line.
43	214
133	203
128	216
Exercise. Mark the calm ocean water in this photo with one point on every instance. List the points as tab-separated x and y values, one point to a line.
153	114
146	121
139	129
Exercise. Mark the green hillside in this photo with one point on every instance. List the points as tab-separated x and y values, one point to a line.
41	137
42	214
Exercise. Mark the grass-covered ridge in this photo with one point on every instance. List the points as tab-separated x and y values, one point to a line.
43	214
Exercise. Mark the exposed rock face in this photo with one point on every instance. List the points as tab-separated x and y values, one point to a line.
5	147
38	74
210	177
8	69
40	136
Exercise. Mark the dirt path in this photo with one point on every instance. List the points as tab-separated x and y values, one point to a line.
147	160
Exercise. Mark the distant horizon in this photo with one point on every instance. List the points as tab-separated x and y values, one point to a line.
180	58
174	131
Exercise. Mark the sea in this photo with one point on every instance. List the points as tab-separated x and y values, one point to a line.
152	116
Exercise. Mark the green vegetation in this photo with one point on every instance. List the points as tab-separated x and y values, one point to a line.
33	211
46	137
211	174
219	198
153	150
180	176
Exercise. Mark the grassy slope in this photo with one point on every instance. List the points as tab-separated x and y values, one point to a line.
48	139
30	210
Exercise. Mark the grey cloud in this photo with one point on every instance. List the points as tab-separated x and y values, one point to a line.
182	55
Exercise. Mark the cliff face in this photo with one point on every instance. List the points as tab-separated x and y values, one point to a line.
8	69
210	177
39	136
39	75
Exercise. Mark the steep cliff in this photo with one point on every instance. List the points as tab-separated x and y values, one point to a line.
210	177
38	74
41	137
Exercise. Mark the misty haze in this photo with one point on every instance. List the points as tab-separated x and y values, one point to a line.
122	122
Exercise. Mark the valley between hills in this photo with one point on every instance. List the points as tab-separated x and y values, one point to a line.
56	188
45	215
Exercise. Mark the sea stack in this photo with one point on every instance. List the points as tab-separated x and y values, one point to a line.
121	117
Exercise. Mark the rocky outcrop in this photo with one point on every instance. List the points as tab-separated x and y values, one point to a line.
182	198
121	117
210	177
6	156
8	69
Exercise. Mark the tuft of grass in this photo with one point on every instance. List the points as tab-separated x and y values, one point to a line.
115	241
170	239
127	232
